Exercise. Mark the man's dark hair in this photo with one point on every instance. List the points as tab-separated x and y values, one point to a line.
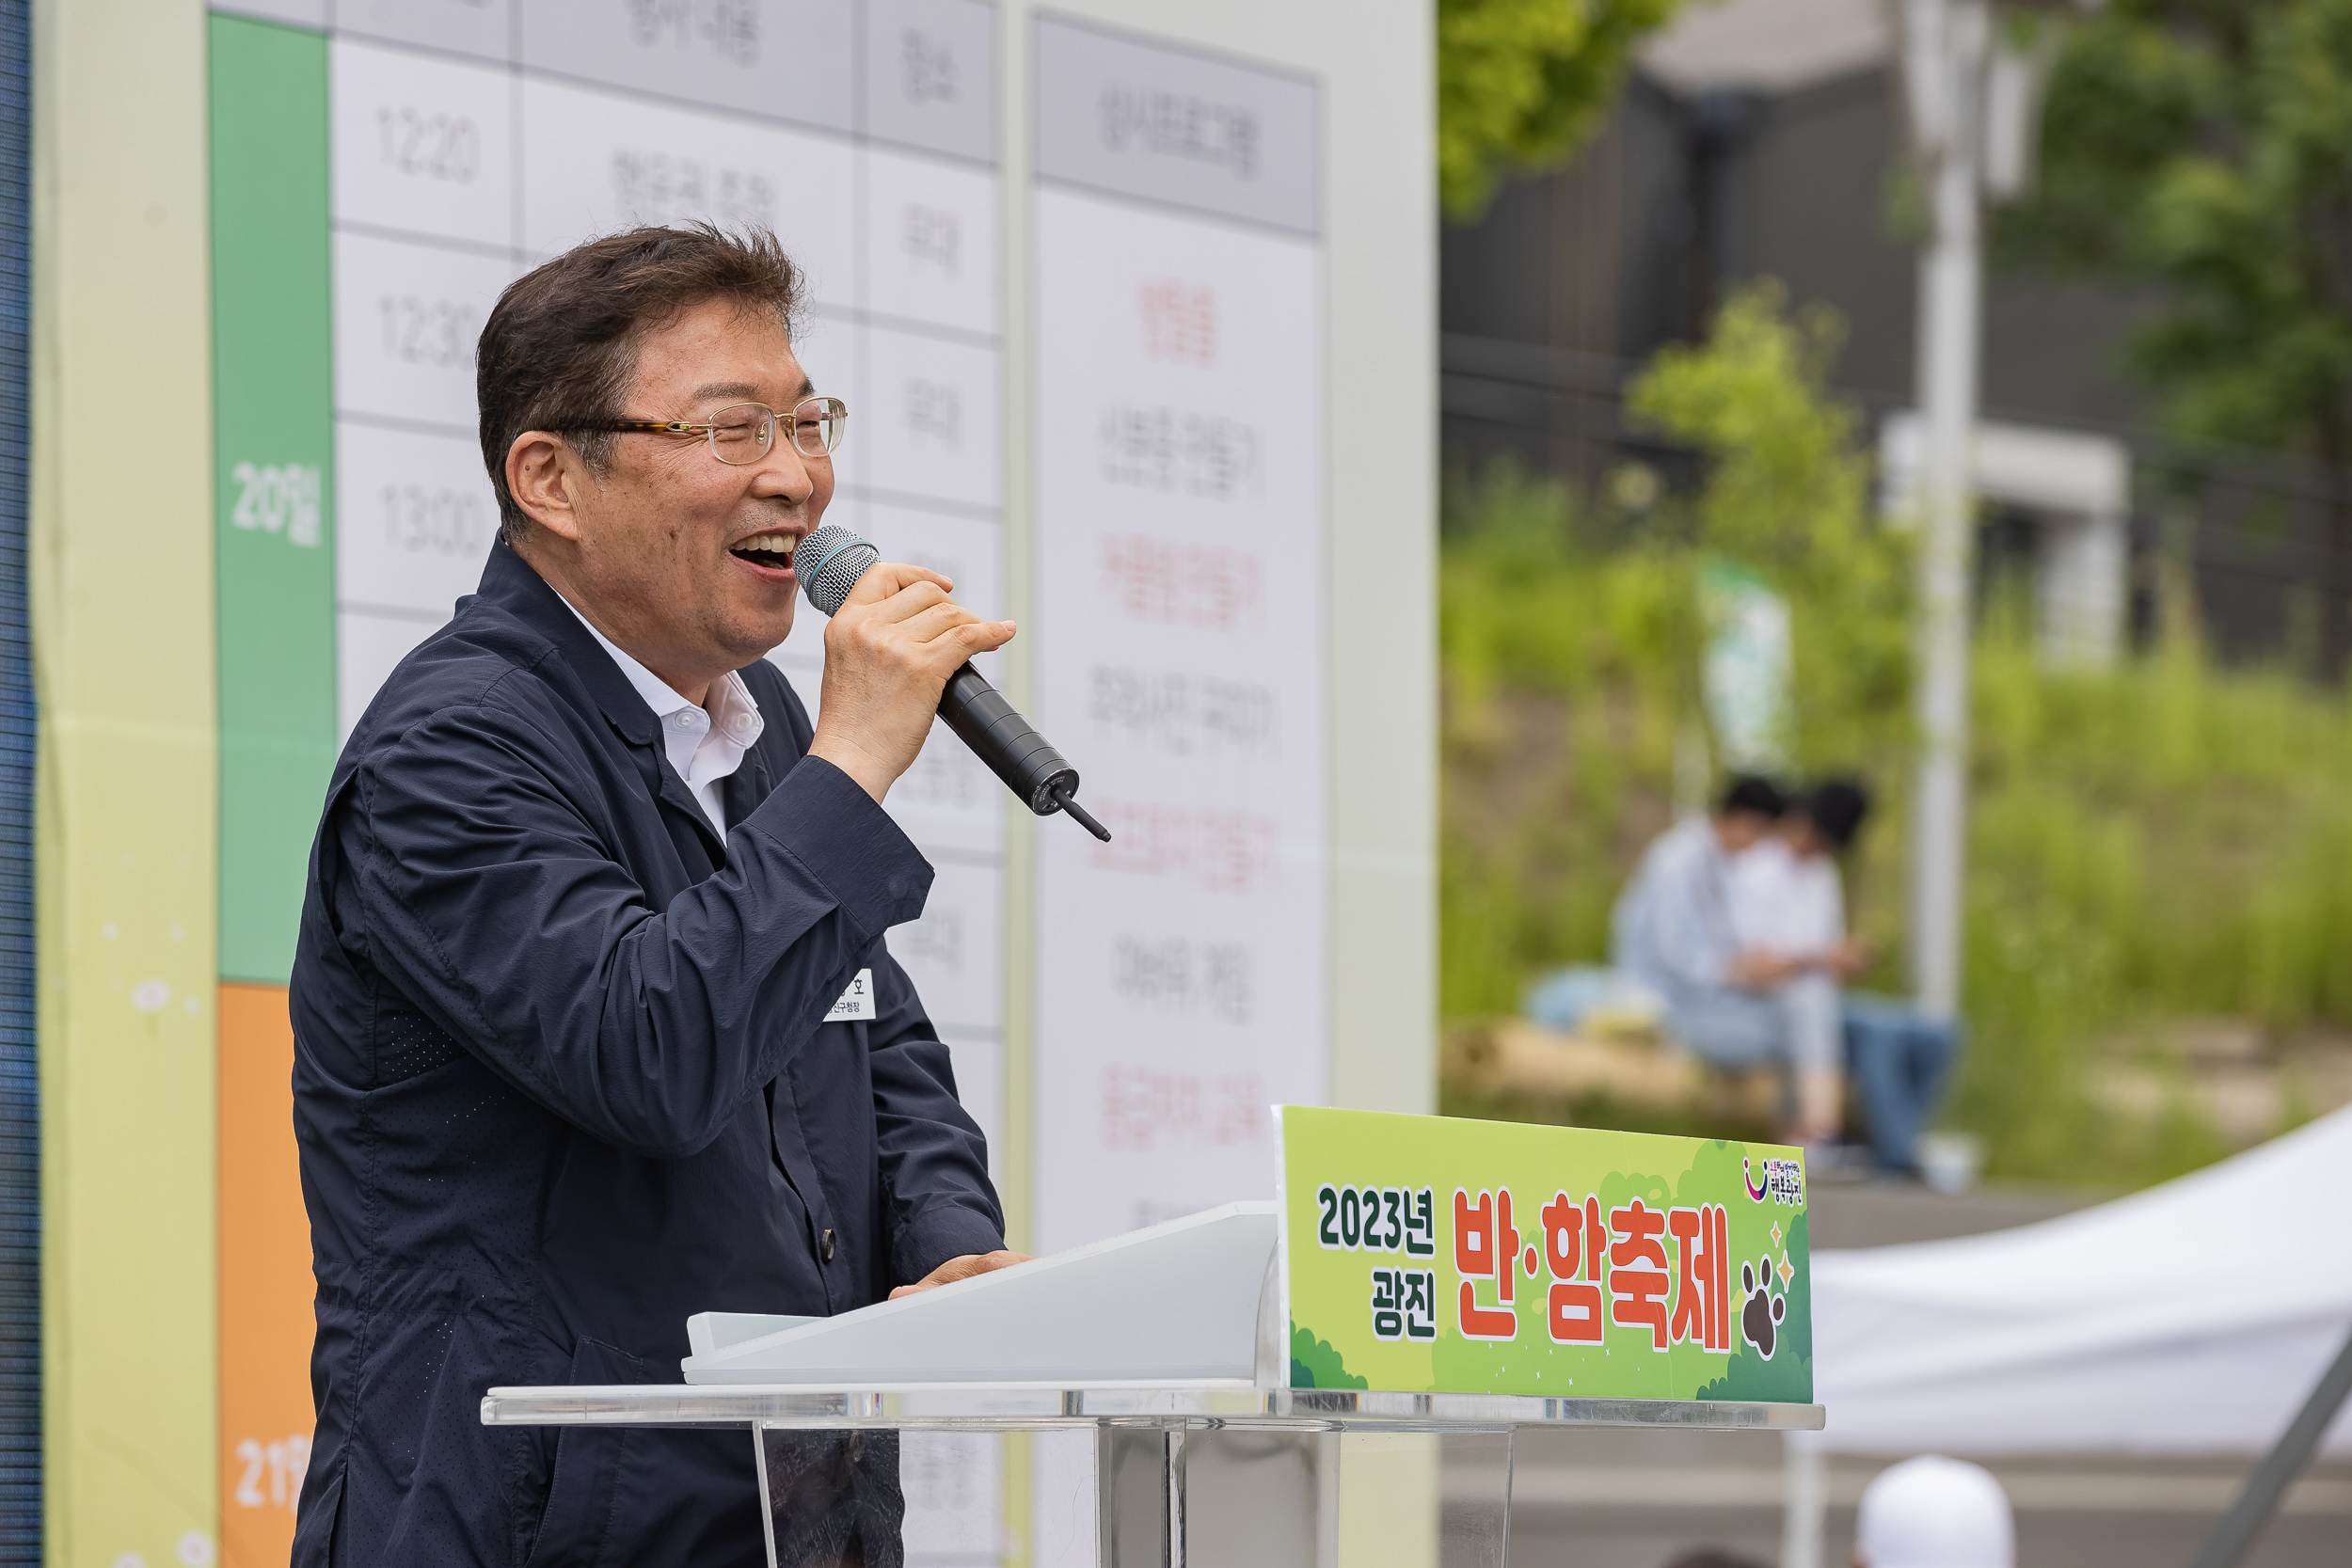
1837	807
560	348
1748	793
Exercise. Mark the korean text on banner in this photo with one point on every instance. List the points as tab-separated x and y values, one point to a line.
1434	1255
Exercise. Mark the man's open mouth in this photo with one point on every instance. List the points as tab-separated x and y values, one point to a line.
771	550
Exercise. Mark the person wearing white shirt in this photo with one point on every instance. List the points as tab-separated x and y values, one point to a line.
1788	904
1672	932
705	745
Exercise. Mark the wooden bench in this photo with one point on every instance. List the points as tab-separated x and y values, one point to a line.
1509	1058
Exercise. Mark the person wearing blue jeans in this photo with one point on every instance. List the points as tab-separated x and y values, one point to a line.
1899	1059
1673	934
1787	900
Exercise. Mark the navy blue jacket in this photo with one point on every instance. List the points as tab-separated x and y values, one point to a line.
561	1080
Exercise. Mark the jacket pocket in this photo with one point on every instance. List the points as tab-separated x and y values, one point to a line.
589	1463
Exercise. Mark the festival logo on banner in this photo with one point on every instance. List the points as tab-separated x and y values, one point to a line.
1434	1255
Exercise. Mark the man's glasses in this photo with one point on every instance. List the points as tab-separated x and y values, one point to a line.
746	431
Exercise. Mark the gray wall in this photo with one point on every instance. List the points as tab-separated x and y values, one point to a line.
1628	247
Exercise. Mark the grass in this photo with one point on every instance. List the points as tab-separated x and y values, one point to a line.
2168	838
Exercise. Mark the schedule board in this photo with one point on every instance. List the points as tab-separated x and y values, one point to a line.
1179	617
384	169
1196	238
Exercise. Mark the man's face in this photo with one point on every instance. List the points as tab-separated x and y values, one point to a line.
1804	839
1740	829
669	536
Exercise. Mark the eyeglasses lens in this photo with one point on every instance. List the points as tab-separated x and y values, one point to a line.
817	424
743	434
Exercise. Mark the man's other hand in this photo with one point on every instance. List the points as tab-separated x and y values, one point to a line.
1765	968
1850	959
888	654
963	1268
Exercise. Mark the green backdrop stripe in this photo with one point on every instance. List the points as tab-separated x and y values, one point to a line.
274	371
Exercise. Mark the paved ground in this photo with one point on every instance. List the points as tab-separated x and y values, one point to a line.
1635	1500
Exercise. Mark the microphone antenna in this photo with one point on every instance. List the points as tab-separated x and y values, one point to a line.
1078	813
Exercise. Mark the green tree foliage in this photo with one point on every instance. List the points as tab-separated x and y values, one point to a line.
1521	83
2204	147
1787	497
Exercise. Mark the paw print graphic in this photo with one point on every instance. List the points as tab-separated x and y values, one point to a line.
1759	1319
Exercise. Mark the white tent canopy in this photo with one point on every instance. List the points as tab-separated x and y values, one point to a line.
2195	1317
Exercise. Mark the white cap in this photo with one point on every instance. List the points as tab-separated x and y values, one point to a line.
1934	1513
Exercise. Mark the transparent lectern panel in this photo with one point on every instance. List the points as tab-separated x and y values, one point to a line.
882	1499
955	1490
1149	1494
1473	1493
1240	1497
1254	1498
833	1498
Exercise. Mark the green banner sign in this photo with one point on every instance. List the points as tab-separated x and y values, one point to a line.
1434	1255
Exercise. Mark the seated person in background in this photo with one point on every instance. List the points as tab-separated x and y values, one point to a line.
1787	901
1672	931
1788	905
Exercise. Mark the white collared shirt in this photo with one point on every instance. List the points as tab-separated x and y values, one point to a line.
705	746
1786	904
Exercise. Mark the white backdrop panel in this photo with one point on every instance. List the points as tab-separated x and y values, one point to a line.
483	28
1181	969
366	649
414	517
423	144
406	319
596	161
952	953
932	432
783	57
969	551
931	240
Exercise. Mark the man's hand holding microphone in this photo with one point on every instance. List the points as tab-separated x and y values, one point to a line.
889	650
898	651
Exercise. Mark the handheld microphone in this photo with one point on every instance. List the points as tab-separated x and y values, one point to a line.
828	562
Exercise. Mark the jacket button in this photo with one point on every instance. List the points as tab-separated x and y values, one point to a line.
824	1247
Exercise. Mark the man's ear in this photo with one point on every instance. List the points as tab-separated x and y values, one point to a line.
546	477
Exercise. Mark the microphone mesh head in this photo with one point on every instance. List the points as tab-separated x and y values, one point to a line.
828	562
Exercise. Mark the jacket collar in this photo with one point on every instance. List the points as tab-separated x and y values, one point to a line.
509	583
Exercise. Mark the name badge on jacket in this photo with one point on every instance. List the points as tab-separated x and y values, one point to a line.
857	1004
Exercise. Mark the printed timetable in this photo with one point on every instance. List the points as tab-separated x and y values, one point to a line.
1181	968
464	142
472	139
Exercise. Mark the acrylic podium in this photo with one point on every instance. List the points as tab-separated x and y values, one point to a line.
1173	1347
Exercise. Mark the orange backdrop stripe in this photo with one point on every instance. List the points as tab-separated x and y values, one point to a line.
266	1286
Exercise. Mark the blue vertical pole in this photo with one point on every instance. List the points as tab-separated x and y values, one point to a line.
20	1095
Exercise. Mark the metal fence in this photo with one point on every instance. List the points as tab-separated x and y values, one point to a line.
2261	537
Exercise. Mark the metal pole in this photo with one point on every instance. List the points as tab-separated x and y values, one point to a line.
1804	1502
1176	1456
1946	56
2234	1536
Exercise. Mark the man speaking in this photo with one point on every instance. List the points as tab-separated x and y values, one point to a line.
594	1023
